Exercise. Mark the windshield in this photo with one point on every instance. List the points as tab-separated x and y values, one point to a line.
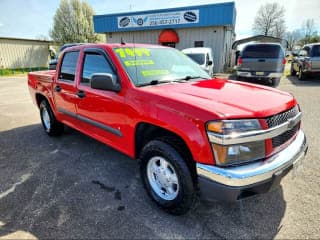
262	51
156	65
197	57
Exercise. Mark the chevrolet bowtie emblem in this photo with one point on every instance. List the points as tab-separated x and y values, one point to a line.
291	123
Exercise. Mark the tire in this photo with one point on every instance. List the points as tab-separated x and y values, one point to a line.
50	124
292	71
275	82
301	75
167	177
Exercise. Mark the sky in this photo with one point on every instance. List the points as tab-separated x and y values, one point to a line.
33	18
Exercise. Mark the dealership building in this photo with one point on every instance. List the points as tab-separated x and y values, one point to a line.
184	27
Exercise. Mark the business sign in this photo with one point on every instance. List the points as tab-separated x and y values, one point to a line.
159	19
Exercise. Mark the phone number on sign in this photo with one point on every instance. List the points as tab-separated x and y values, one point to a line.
164	22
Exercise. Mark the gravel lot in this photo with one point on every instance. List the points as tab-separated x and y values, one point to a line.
75	187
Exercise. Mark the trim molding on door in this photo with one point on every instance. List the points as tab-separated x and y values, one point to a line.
91	122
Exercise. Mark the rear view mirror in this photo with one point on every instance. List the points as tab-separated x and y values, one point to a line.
105	81
210	63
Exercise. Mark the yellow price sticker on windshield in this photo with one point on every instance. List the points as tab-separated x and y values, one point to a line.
130	63
133	52
148	73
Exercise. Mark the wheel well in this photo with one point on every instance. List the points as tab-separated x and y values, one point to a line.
146	132
40	98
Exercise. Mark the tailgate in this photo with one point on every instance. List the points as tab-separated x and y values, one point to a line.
261	65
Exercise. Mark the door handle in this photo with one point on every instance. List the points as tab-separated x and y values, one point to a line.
57	88
81	94
261	60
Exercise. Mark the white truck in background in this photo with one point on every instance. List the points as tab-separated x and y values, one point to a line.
203	56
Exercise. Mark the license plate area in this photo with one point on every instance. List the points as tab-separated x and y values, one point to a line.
259	73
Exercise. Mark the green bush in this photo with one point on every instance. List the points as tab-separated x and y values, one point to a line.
19	71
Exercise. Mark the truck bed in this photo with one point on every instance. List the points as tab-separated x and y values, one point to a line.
40	81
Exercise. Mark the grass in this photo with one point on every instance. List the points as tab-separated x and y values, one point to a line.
19	71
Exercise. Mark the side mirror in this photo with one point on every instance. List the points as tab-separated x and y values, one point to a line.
210	63
104	81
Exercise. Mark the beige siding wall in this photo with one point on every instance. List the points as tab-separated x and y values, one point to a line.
217	38
19	53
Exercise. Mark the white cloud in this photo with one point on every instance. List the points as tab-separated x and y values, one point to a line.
1	24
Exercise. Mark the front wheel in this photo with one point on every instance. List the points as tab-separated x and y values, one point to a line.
50	124
301	74
167	177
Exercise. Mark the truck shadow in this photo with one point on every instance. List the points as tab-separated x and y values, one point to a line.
309	82
80	188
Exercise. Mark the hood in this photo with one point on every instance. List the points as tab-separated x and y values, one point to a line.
225	98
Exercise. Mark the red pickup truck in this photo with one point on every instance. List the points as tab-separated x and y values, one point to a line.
192	134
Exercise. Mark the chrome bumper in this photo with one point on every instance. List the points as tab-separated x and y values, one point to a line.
256	172
249	75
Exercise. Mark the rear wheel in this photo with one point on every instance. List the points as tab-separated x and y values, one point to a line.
301	74
167	177
275	82
50	124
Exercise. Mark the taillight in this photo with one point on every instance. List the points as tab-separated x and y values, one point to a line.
240	61
284	61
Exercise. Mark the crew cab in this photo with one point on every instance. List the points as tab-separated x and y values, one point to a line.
193	135
307	61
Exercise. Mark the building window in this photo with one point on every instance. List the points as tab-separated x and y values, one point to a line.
198	44
169	44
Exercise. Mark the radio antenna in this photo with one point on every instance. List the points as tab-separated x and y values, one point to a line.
135	58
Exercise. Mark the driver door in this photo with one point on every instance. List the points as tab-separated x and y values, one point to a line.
101	112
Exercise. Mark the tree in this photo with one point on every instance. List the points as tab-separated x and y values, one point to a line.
293	38
310	39
308	27
73	22
269	20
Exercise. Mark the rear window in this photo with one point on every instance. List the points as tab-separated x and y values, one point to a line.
316	51
262	51
198	58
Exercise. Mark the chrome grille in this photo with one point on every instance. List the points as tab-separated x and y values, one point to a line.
284	137
279	119
282	117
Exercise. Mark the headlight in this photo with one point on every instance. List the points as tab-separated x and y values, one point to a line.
239	153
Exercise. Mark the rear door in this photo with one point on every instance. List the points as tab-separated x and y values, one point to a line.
315	58
64	89
262	58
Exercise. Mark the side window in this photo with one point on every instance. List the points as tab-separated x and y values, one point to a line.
68	66
307	50
94	63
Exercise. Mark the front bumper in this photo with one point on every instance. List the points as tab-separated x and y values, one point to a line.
232	183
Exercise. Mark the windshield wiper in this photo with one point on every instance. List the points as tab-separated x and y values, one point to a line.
188	77
154	82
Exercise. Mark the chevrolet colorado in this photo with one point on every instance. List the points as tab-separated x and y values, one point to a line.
192	134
